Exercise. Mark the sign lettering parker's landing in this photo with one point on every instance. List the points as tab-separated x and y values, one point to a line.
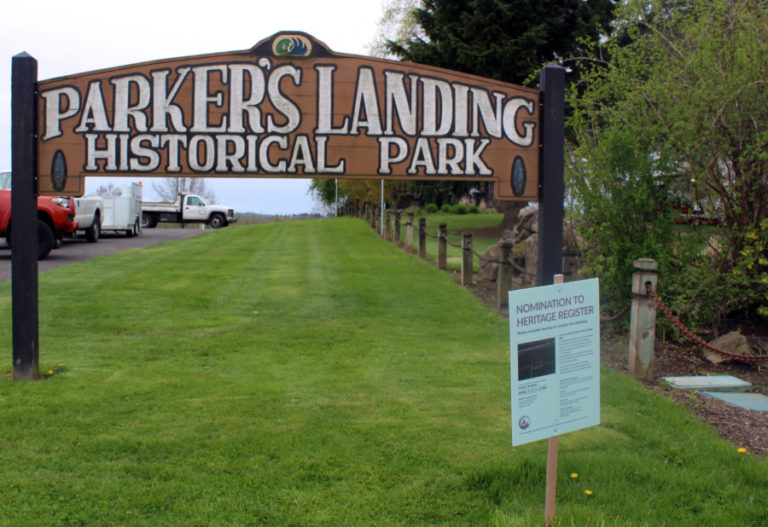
288	107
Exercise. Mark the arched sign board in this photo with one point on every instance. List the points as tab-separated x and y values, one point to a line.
288	107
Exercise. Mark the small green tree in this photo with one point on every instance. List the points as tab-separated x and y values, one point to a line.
677	98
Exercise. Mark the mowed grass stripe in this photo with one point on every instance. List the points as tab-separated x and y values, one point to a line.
309	373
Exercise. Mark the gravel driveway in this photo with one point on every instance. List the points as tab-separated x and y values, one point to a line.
79	250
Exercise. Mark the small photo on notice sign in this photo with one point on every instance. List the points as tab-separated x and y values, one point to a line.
535	359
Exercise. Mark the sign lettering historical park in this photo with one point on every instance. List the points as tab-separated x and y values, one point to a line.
288	107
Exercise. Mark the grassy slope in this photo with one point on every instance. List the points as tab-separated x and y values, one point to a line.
308	373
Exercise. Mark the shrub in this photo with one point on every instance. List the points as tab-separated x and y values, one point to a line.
431	208
445	208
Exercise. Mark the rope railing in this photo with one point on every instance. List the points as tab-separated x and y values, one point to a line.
698	340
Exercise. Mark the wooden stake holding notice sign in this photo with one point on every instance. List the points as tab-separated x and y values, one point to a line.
555	366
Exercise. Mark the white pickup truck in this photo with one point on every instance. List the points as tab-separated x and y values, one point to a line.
89	213
188	208
118	213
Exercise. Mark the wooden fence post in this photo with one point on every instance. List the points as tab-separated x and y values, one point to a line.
409	234
388	225
504	277
397	228
642	322
466	259
442	245
423	238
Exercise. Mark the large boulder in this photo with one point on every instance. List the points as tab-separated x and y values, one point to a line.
733	342
518	235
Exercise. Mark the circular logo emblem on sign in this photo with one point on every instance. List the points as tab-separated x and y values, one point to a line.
524	422
292	46
59	171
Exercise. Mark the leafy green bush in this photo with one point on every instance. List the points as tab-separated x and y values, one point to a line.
473	209
615	202
445	209
431	208
459	209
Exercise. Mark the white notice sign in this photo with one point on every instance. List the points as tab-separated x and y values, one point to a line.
555	359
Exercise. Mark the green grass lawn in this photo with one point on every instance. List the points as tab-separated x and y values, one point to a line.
310	373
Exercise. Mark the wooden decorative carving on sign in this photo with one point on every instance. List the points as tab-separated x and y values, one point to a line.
289	107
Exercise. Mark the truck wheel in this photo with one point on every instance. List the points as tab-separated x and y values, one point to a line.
217	221
134	230
148	221
93	233
45	239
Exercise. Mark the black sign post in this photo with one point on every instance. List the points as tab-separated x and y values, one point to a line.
551	182
24	235
551	195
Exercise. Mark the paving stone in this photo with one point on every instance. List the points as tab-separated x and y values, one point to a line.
750	401
712	383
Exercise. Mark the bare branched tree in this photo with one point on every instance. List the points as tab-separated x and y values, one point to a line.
170	188
110	189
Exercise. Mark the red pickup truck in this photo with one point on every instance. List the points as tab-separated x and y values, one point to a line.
55	217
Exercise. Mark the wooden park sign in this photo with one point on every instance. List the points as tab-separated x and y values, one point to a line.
288	107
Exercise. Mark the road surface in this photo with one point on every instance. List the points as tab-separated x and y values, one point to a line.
79	250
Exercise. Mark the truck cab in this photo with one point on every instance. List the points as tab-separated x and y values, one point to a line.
55	217
188	208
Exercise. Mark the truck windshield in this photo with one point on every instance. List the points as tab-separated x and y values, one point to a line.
5	180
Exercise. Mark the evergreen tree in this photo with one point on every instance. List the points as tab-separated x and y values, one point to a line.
507	40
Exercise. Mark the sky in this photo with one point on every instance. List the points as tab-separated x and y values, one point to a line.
74	36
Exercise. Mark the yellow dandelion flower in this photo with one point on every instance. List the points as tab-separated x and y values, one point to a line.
742	450
50	372
588	492
574	476
255	312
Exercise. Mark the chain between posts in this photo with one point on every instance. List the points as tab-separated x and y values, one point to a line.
519	269
698	340
690	334
618	315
